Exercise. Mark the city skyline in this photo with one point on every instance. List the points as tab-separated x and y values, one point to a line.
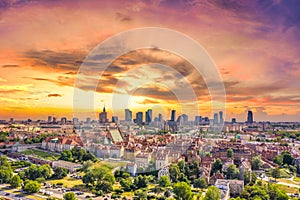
255	47
104	117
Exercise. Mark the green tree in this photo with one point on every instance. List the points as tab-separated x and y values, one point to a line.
32	186
253	178
276	173
140	195
278	160
230	153
66	155
15	181
5	175
216	166
86	165
105	186
69	196
4	164
174	172
182	191
287	158
100	177
140	181
212	193
89	156
200	183
255	192
45	171
60	172
164	181
256	163
34	172
232	172
126	184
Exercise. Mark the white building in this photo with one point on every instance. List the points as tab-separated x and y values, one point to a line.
72	167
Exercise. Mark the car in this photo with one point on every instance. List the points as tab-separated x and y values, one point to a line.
87	196
7	194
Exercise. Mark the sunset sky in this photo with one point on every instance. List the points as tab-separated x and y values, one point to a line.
254	44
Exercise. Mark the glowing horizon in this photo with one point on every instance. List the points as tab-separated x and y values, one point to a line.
255	46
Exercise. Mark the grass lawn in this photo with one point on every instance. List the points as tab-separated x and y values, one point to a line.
35	197
288	181
296	179
284	174
109	164
288	189
67	182
41	154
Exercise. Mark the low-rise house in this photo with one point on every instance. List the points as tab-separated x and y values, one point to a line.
161	161
245	167
229	187
130	153
163	172
226	163
215	177
61	143
116	151
142	160
132	168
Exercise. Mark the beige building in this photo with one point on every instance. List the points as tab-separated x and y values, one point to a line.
142	160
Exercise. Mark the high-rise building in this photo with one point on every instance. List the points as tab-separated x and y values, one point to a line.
250	117
139	117
103	116
216	120
114	119
63	120
198	119
75	120
160	118
185	117
221	117
173	115
54	120
49	119
88	120
233	120
179	119
149	115
128	115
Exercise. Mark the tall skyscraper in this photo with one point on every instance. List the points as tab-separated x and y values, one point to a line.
185	117
75	120
221	117
63	120
233	120
216	120
160	118
173	115
250	117
114	119
49	119
103	116
88	120
149	115
54	120
139	117
128	115
198	119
